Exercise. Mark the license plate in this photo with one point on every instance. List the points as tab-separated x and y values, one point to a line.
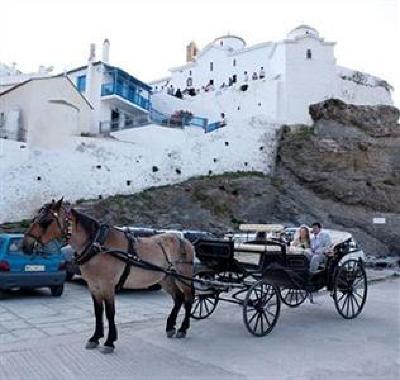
34	268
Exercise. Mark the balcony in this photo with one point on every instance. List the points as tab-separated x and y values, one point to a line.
126	87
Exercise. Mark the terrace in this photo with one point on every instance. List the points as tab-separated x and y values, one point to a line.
124	90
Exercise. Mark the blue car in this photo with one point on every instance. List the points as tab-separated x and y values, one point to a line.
37	269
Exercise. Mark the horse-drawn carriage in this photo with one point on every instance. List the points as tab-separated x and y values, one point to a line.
109	257
260	274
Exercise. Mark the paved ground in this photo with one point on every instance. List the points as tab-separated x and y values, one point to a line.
37	314
311	342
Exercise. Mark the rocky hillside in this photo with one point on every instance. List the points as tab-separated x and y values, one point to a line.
344	171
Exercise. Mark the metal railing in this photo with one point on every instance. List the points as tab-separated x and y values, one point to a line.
107	127
178	120
127	92
212	127
156	117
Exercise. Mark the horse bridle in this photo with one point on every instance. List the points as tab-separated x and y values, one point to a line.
64	229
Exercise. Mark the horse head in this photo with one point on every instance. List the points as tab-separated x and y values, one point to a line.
50	222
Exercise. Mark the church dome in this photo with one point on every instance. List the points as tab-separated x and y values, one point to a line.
303	31
230	41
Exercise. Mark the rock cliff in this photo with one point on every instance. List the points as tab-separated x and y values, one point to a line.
345	169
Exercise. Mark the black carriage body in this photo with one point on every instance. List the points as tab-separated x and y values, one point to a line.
284	269
216	255
278	277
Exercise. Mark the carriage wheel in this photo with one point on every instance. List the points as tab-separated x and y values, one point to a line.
350	289
205	301
261	308
293	297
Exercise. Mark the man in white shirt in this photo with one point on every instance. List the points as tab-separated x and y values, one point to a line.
320	243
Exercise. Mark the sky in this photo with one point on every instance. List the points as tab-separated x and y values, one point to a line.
149	36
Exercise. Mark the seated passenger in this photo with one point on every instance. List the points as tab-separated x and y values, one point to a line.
320	243
254	76
302	241
261	74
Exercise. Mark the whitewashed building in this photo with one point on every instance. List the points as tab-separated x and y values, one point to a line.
287	76
119	99
43	111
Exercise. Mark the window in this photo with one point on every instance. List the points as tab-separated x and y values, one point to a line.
211	66
308	54
15	246
2	119
234	62
221	43
211	82
81	83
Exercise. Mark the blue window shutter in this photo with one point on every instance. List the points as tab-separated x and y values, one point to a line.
81	83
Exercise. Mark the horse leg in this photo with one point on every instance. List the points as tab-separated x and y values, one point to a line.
93	341
171	321
188	295
112	329
169	286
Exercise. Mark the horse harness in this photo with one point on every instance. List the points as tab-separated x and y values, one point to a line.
130	258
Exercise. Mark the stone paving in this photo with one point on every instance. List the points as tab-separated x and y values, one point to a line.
309	342
37	314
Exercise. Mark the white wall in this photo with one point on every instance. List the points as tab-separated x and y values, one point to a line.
50	109
292	83
261	98
87	168
250	60
307	81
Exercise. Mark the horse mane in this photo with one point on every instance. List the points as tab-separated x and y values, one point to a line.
89	224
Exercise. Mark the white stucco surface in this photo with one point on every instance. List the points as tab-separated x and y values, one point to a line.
49	110
93	167
299	70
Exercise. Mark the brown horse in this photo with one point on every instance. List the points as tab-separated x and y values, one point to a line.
103	272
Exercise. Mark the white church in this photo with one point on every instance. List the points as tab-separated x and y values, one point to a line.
277	79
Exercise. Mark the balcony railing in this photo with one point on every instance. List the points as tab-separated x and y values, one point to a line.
179	121
126	92
107	127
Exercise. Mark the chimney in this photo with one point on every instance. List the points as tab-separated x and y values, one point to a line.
106	51
92	55
191	52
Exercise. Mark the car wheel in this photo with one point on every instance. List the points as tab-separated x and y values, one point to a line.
56	291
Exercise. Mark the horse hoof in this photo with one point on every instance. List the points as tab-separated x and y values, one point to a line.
107	349
91	345
181	334
171	333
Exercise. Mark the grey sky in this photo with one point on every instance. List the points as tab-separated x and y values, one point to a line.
149	36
